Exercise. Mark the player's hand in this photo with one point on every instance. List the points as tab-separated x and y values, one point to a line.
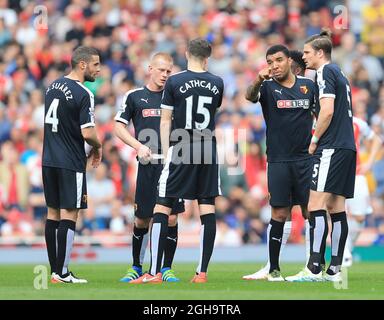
312	148
365	168
265	74
144	153
95	156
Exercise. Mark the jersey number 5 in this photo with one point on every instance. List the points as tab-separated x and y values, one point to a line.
349	101
202	100
51	116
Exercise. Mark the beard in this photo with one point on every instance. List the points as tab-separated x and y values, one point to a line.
88	77
282	77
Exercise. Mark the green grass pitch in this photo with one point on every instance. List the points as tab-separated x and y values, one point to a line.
364	281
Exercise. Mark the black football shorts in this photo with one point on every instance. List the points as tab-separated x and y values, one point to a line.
289	182
64	189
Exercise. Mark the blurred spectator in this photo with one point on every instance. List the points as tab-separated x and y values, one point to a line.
377	120
14	179
117	169
118	62
356	21
31	157
255	166
5	125
5	34
373	33
101	192
117	224
7	14
26	32
226	236
232	177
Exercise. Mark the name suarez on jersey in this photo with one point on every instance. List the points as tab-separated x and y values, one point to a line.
63	88
291	104
198	83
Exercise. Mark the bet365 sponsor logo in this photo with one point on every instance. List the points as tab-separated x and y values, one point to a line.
292	104
151	113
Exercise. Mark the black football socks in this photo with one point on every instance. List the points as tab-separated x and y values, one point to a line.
65	238
51	227
318	236
338	238
170	246
207	240
137	245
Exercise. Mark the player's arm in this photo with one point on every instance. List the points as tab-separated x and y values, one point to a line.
120	130
253	90
327	107
165	129
326	81
90	136
167	106
122	118
376	144
88	130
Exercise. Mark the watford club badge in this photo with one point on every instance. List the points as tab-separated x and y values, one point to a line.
304	89
85	198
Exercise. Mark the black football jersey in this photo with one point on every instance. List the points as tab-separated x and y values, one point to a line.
69	107
332	83
142	106
194	98
288	116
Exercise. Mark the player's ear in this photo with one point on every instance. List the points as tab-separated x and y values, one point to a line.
82	65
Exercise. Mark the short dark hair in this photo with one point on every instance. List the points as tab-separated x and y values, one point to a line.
82	54
199	48
297	57
322	41
277	48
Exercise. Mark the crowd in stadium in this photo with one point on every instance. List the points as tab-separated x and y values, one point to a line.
35	51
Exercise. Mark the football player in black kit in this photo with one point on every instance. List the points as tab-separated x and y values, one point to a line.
68	123
334	166
287	101
142	106
298	68
189	104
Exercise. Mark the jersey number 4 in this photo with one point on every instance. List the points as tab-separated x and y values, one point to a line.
51	116
202	100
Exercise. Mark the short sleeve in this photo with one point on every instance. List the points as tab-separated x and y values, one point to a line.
168	101
87	111
326	81
126	109
221	93
261	97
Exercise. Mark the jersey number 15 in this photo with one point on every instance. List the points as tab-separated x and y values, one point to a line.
201	101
